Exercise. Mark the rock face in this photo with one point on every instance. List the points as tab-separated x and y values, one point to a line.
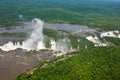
96	41
115	34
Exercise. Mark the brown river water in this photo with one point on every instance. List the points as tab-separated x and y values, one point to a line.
13	63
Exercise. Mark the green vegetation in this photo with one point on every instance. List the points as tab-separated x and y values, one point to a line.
75	40
100	63
115	41
96	14
13	34
94	63
53	34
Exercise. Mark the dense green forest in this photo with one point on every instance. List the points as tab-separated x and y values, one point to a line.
100	63
94	13
91	63
115	41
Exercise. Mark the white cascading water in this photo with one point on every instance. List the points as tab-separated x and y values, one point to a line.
60	45
33	42
53	44
36	38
